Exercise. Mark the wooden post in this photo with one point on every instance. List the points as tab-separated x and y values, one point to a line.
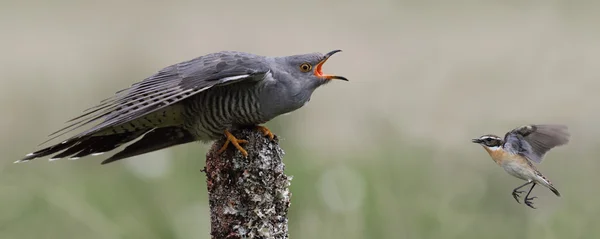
248	196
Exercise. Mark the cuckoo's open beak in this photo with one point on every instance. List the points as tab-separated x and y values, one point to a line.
319	72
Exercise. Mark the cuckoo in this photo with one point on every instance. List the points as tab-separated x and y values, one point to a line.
197	100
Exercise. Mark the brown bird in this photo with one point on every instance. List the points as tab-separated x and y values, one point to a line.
522	146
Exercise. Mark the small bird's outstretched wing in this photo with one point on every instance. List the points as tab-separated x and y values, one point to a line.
167	87
534	141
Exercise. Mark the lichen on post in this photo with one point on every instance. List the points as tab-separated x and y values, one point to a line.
248	196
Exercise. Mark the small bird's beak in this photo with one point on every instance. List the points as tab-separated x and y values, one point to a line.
477	141
318	70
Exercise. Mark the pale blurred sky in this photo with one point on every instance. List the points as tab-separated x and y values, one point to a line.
438	72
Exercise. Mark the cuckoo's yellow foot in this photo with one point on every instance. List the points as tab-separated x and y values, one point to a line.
265	131
236	142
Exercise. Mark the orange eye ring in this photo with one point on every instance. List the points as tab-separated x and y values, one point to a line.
305	67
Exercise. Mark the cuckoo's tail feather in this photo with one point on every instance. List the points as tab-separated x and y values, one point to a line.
48	151
156	139
78	147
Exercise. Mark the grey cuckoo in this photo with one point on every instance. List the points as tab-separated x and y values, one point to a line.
197	100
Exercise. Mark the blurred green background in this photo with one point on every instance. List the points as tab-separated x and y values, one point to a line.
386	155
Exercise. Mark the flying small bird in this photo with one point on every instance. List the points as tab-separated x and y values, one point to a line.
522	146
197	100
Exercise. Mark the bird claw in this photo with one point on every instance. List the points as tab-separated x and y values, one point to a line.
516	195
529	203
236	142
265	131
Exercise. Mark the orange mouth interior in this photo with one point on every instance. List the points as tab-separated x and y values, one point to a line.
319	70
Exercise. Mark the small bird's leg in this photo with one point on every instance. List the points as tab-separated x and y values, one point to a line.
516	193
528	199
265	131
236	142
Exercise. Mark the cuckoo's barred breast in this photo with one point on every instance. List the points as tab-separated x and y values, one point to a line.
209	113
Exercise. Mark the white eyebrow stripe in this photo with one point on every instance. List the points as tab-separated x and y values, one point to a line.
490	137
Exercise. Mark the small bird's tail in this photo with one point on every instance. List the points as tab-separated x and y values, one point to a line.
554	190
541	179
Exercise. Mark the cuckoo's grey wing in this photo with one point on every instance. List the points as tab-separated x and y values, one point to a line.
167	87
534	141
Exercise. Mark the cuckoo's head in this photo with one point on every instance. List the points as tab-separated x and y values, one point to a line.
296	77
307	69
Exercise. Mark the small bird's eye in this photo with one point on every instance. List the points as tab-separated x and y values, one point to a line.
305	67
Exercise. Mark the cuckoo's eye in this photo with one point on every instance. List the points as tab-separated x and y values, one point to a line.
305	67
